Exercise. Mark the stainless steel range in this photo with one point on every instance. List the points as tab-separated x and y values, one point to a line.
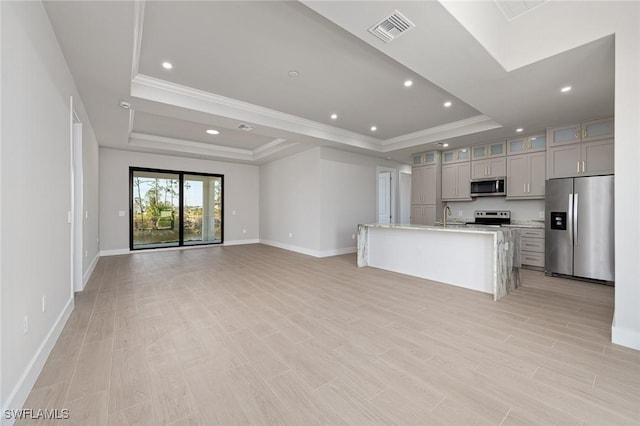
491	218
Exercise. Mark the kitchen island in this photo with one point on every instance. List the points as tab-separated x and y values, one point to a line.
477	258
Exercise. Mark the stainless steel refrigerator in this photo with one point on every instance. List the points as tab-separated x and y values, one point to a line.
579	238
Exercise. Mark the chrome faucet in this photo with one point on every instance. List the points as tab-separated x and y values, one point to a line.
446	212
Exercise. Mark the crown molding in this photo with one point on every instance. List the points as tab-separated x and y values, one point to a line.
478	123
144	140
158	90
138	21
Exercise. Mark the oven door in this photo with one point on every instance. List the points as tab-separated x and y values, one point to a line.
483	188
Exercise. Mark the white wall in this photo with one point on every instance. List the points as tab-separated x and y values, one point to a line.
290	202
35	179
319	196
520	209
240	194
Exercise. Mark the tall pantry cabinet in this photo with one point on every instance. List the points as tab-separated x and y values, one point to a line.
426	200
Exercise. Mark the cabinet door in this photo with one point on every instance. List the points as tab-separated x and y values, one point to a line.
497	167
418	215
478	152
564	135
563	161
597	130
517	178
430	214
429	185
497	149
597	158
537	174
449	182
464	181
516	146
416	159
537	143
479	169
429	158
417	190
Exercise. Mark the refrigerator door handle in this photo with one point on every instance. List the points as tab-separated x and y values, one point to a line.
575	218
570	218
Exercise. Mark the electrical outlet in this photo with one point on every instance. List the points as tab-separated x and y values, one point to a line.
44	303
25	324
459	213
233	212
353	236
86	214
86	253
121	213
244	231
290	235
541	214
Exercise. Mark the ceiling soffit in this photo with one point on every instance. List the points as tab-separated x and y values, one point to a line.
151	88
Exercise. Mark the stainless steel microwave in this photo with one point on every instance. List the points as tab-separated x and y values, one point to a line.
488	187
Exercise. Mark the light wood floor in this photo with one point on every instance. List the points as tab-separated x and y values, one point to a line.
254	334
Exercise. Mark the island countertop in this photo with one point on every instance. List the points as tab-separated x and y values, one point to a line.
434	252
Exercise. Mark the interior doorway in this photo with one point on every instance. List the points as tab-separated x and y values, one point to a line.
385	199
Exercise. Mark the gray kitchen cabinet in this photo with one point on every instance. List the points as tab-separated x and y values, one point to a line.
489	168
426	203
425	158
531	247
582	149
526	144
423	214
526	175
456	156
583	159
456	180
495	149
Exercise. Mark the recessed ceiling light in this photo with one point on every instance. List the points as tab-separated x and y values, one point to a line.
213	132
565	89
447	104
334	116
167	65
374	128
519	129
408	83
293	73
445	145
125	104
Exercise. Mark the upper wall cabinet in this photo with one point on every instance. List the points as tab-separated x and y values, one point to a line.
581	132
590	151
425	159
459	155
526	144
481	152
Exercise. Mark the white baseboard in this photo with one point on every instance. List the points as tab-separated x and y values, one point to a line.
309	252
21	391
241	242
92	267
625	337
115	252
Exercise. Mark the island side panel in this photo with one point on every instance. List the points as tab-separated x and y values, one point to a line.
363	244
457	258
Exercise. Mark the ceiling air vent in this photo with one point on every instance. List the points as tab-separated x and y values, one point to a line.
246	127
391	27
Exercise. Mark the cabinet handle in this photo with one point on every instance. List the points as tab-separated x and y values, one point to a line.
577	135
584	133
577	166
583	169
524	188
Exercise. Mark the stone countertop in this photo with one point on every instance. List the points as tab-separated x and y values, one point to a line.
535	224
453	227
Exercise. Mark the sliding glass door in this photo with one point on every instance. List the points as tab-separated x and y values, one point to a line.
202	209
172	208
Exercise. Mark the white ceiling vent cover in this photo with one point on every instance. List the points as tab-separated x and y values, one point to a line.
391	27
246	127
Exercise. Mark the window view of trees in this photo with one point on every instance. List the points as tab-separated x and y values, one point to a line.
156	209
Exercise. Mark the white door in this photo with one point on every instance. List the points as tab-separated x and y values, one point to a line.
384	197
